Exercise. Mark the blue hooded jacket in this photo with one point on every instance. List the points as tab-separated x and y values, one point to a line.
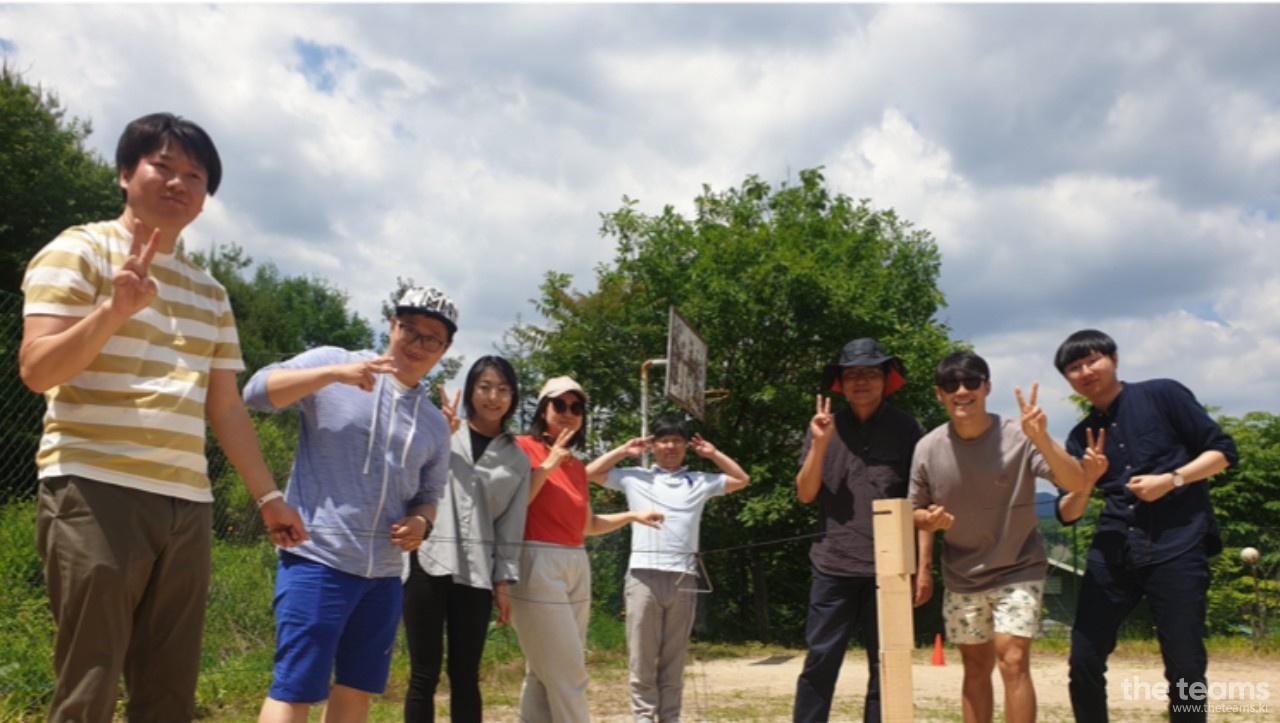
363	459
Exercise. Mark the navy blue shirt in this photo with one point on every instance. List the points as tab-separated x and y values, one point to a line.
1153	427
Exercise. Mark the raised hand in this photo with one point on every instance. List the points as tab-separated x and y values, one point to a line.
636	447
450	409
133	288
1034	422
364	373
559	451
1095	458
702	447
820	425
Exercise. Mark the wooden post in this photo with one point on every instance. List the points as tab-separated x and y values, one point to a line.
895	561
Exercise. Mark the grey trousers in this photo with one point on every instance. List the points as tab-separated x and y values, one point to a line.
550	608
660	608
128	575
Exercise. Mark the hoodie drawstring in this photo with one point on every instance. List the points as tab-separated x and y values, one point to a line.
408	439
373	422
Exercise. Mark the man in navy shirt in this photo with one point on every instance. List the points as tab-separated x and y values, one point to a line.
1154	447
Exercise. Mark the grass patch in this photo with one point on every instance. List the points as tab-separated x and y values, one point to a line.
236	655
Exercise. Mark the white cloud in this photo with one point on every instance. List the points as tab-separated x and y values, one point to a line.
1108	166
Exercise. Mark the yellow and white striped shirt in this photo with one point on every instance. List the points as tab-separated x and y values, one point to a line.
135	416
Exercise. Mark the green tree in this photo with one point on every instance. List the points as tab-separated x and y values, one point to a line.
776	280
278	316
48	180
1246	500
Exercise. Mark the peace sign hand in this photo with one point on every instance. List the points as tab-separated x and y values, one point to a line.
559	451
450	410
133	289
1034	422
1095	459
820	425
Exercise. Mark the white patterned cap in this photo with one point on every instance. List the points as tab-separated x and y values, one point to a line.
432	302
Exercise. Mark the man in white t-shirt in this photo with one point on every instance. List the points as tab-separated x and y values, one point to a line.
662	576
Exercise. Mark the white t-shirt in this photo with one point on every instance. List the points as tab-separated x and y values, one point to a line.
680	496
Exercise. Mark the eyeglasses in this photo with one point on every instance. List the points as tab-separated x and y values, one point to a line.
1077	368
429	344
951	386
488	390
561	406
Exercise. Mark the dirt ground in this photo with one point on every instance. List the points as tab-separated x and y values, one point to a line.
762	689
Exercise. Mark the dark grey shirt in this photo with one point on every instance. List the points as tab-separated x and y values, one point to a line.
867	461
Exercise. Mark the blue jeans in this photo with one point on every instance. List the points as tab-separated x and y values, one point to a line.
836	605
1176	592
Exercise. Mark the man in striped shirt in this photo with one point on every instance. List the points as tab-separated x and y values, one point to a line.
133	347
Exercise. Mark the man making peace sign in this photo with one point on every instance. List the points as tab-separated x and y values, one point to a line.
133	346
975	478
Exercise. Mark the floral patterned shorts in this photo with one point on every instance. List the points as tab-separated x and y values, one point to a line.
975	618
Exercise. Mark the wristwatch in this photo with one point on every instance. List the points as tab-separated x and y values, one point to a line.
1178	479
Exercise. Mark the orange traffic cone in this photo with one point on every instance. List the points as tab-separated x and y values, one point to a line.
938	658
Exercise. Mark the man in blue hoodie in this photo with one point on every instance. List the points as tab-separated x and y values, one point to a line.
373	455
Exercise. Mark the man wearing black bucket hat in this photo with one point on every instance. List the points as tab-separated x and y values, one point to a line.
870	459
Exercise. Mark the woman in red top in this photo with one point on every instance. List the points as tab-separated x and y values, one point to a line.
551	603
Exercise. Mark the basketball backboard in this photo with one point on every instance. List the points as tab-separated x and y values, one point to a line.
686	365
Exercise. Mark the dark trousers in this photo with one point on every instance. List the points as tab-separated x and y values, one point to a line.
836	606
1176	592
128	575
433	605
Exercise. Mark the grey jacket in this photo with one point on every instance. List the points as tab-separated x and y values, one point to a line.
480	519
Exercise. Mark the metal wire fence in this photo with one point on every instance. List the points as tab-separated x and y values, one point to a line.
239	627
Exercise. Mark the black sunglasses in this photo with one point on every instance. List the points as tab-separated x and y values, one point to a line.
950	386
576	409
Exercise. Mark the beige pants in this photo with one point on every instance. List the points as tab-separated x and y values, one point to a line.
128	574
550	607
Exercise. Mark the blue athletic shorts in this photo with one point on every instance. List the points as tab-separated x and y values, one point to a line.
327	619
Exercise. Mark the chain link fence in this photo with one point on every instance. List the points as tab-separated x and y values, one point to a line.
238	630
237	643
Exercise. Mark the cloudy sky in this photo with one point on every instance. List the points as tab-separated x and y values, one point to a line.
1079	166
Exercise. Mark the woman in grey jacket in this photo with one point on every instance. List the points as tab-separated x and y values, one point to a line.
463	569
